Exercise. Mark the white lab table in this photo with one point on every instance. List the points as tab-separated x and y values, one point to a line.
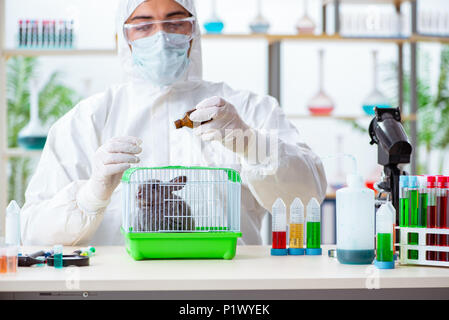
252	274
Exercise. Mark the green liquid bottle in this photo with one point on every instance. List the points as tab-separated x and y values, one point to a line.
403	201
313	235
313	228
384	247
384	234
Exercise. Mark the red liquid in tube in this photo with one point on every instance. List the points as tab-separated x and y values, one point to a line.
279	240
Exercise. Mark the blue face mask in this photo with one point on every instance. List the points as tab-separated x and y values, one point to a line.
162	58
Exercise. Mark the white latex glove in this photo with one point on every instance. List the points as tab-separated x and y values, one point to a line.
110	162
226	125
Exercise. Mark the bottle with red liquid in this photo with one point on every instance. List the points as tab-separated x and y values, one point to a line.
279	228
431	215
441	239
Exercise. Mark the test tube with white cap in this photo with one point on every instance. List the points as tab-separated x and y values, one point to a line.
313	233
279	226
384	232
296	246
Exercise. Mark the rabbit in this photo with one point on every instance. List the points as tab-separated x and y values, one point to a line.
160	209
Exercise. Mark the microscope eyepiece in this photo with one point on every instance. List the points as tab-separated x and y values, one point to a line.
387	132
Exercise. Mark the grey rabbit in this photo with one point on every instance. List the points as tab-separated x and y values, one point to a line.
160	209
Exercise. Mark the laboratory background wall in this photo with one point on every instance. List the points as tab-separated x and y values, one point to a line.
243	64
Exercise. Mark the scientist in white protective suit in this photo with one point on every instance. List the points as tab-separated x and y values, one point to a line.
74	196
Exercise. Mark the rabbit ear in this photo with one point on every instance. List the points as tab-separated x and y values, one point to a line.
177	183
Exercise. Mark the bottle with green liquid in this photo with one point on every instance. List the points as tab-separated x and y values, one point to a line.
313	228
384	232
403	201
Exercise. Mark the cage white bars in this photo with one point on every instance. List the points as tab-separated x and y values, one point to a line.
421	247
181	199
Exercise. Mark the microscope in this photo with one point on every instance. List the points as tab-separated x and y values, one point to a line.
393	150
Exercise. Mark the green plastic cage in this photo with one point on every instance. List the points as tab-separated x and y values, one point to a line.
181	212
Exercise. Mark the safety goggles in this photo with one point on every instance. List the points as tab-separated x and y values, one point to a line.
138	31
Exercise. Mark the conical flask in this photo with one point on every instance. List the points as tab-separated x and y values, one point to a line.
305	24
376	98
34	135
214	24
260	24
321	104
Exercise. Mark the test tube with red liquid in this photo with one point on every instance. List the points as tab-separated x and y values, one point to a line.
446	219
441	239
279	228
431	215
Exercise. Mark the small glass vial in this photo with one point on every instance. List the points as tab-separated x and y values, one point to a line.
3	260
11	259
296	243
57	256
313	233
384	235
187	122
279	226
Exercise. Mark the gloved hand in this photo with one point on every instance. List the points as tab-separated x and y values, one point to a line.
226	125
110	162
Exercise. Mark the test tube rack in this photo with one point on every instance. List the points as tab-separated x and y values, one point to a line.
421	247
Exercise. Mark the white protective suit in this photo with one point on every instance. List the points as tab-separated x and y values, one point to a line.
51	213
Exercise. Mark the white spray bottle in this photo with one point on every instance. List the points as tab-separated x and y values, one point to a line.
355	222
12	227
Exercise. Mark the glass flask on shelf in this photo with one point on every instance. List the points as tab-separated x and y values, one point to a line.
260	24
305	24
214	24
376	98
34	135
321	104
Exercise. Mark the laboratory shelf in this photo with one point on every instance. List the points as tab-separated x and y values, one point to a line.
271	38
304	37
429	38
364	2
341	117
58	52
20	152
